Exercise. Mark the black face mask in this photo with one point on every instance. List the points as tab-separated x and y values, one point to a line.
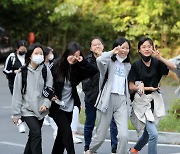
146	58
22	53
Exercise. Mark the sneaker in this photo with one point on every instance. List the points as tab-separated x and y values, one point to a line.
22	128
113	151
133	151
88	152
76	140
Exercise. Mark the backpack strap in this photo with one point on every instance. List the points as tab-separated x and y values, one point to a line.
24	79
44	74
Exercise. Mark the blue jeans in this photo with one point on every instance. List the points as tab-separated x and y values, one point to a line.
150	136
90	112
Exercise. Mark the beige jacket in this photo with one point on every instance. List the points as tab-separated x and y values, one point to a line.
142	109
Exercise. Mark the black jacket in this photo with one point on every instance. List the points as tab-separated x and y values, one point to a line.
12	63
91	85
79	72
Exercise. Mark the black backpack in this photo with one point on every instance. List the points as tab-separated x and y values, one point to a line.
24	71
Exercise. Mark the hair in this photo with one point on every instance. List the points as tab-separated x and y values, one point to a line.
21	43
144	39
63	68
30	50
120	41
47	50
94	38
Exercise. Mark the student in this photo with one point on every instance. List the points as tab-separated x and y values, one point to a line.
91	90
148	105
114	99
49	57
68	72
27	100
12	64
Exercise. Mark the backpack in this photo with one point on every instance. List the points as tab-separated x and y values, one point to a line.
24	71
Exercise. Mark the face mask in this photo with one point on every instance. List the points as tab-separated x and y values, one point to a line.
21	53
51	57
120	59
146	58
37	59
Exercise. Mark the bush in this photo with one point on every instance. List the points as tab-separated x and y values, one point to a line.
175	109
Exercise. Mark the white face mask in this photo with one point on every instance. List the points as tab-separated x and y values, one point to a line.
120	59
51	57
37	59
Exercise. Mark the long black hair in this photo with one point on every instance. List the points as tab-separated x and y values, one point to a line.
62	67
120	41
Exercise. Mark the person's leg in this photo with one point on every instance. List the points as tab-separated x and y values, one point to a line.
34	143
143	140
103	123
121	119
90	112
54	127
153	137
150	136
113	132
64	135
75	119
74	124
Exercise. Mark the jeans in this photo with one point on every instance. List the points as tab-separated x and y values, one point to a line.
34	143
113	132
90	112
150	136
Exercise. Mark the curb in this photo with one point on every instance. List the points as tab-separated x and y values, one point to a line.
163	137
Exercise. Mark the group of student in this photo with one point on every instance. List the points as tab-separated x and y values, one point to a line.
114	90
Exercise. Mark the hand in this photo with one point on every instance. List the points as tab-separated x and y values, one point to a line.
97	52
79	59
15	120
42	108
156	53
140	88
117	49
153	89
54	98
16	71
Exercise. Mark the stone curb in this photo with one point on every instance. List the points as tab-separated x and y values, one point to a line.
163	137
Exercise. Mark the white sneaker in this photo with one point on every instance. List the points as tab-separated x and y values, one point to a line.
88	152
22	128
76	140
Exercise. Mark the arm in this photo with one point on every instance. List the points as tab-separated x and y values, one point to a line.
169	64
8	65
17	98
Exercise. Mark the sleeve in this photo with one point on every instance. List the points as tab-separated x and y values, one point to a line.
8	66
17	98
81	71
176	61
132	76
49	84
103	60
163	69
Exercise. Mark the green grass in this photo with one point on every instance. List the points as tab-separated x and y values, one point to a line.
168	123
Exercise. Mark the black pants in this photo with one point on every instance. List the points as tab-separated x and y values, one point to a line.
64	138
34	143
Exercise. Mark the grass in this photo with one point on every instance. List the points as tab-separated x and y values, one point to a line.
167	124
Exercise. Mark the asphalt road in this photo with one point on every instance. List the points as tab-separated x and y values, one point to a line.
12	142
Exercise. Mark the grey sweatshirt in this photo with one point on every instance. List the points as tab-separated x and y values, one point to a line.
29	104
